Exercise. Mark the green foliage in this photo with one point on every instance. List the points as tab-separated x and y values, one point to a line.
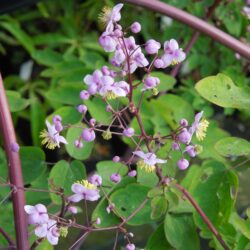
233	146
63	175
221	91
16	102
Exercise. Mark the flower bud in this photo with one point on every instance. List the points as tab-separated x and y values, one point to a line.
132	173
58	126
152	46
82	109
110	207
72	209
130	247
56	118
105	70
183	122
88	134
184	136
92	122
190	150
116	158
135	27
175	146
116	178
96	180
108	43
129	132
109	108
159	63
183	164
84	95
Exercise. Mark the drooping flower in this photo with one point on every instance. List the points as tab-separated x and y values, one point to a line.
36	214
51	137
116	178
111	16
48	230
88	134
152	46
199	126
148	161
185	136
172	53
84	191
95	179
150	82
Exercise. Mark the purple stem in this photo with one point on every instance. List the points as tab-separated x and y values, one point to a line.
15	172
195	23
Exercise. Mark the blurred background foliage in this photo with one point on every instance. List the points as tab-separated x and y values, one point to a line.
48	47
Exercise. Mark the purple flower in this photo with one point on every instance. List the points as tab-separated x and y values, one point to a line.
72	209
159	63
150	82
48	230
84	95
84	191
116	178
185	136
98	221
36	214
172	54
130	246
129	132
113	90
183	164
96	180
111	16
88	134
190	150
52	138
175	146
132	173
78	143
82	109
56	118
135	27
152	46
116	158
148	160
199	126
107	42
247	11
183	122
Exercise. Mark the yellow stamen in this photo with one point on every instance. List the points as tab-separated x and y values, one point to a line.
202	129
87	184
105	15
148	168
111	95
47	140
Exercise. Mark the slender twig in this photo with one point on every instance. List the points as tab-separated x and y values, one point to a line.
79	241
15	172
195	23
203	216
116	239
8	238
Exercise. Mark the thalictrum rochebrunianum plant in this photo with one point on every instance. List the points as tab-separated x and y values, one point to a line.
123	200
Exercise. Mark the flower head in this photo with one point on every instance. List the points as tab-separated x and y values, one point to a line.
48	230
36	214
148	160
199	126
84	190
51	137
110	16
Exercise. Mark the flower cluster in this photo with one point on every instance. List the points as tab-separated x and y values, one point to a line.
44	227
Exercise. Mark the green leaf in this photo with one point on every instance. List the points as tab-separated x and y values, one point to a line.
47	57
158	241
159	206
173	108
155	192
97	109
64	175
16	102
233	146
106	168
14	28
217	186
240	224
181	232
167	82
145	178
74	134
37	118
65	94
69	115
221	91
126	204
33	163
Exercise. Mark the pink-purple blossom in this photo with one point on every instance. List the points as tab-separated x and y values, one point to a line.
88	134
183	164
84	191
129	132
135	27
116	178
150	82
36	214
95	179
152	46
130	246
